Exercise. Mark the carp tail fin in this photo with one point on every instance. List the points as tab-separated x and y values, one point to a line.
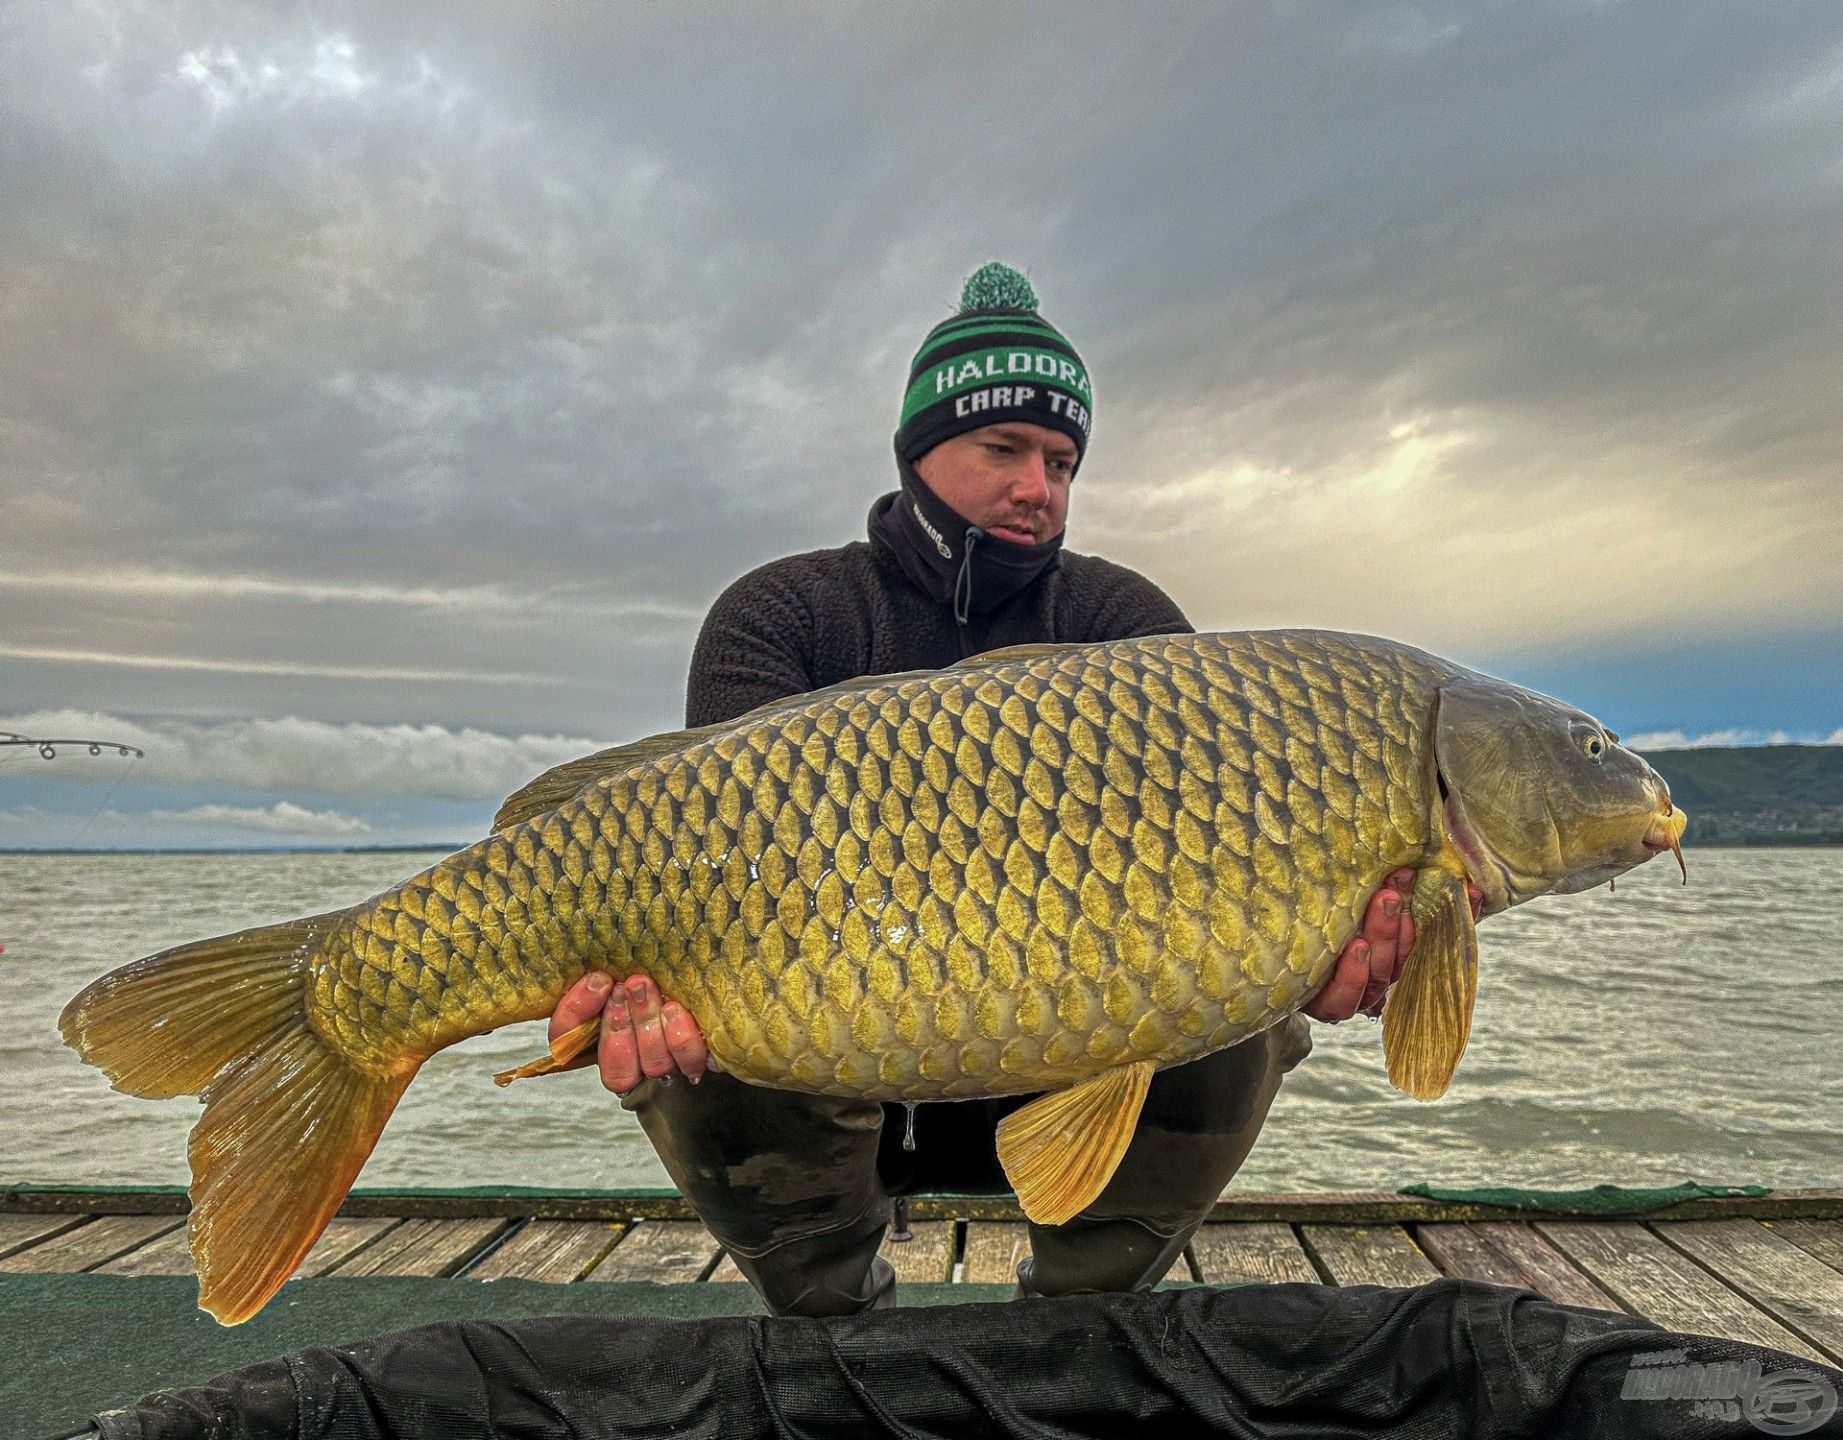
1061	1149
288	1119
1428	1018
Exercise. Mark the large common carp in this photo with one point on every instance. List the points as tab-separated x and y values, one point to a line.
1052	868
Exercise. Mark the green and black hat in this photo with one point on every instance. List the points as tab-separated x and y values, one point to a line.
996	360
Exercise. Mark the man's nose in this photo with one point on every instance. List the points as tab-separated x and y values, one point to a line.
1031	484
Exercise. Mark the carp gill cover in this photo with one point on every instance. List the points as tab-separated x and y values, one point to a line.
1053	868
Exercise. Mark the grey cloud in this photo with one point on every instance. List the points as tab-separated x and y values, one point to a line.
592	308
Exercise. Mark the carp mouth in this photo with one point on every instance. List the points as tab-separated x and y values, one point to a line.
1666	833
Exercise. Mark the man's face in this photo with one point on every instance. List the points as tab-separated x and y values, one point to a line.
1011	480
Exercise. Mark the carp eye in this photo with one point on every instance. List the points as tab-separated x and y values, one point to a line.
1591	739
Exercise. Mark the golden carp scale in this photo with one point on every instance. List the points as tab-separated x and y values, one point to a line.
979	881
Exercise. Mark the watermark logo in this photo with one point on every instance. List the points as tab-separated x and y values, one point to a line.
1777	1402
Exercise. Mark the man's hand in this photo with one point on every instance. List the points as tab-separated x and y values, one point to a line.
643	1035
1372	961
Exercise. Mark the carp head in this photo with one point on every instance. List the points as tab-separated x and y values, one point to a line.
1541	798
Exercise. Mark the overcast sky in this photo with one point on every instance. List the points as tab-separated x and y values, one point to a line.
386	391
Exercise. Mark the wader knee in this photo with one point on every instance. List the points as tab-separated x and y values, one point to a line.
835	1273
787	1183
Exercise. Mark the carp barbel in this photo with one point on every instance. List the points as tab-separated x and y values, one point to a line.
1050	868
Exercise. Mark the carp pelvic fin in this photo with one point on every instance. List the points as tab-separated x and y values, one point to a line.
1060	1150
288	1120
571	1050
1428	1018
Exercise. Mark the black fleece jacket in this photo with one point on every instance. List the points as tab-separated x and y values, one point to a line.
816	619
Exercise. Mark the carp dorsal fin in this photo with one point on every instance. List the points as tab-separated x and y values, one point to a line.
568	780
1032	651
1428	1018
1061	1149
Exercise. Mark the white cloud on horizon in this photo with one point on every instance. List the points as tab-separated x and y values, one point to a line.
314	757
281	818
1714	739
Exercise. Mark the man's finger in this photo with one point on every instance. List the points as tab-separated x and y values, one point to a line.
1338	1000
1384	960
1382	927
1402	880
685	1041
581	1003
617	1059
649	1026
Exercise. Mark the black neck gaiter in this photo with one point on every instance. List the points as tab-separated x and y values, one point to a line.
950	559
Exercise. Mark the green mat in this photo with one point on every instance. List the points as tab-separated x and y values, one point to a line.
1610	1200
76	1344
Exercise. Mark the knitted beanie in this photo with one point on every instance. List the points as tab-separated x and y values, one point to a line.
996	360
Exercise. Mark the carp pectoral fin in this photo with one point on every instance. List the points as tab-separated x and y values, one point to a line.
1060	1150
1428	1018
571	1050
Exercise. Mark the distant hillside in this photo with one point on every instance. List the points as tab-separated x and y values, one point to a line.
1758	794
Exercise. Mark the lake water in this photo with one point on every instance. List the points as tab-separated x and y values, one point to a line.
1657	1034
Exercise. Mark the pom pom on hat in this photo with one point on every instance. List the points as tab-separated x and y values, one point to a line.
997	287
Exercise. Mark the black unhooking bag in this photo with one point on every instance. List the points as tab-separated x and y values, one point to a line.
1451	1358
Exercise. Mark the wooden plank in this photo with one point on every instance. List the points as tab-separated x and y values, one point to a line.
87	1246
558	1251
1650	1279
423	1247
669	1251
17	1232
1367	1255
1311	1207
927	1257
1259	1251
1509	1252
1822	1238
1800	1292
728	1272
343	1238
168	1255
171	1254
993	1250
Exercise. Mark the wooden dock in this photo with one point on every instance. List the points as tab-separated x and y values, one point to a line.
1768	1271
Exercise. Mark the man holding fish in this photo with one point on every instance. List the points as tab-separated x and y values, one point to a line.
1083	870
965	558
